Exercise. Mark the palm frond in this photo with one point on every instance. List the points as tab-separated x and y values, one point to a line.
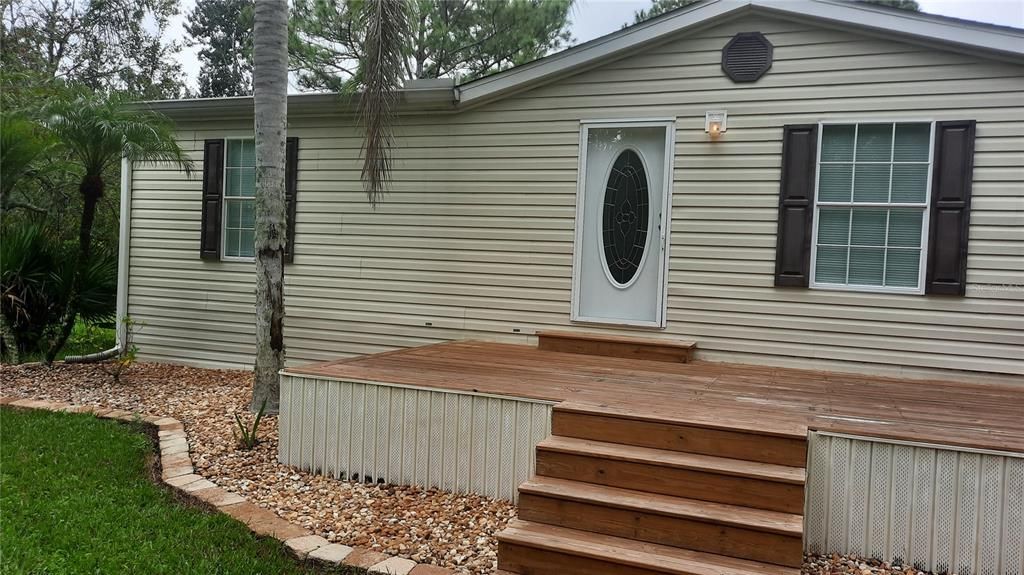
386	23
22	144
98	132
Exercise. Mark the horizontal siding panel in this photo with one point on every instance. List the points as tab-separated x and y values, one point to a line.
937	78
710	53
842	314
911	348
759	113
1004	340
861	299
475	237
880	355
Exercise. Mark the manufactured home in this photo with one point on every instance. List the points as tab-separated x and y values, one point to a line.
742	281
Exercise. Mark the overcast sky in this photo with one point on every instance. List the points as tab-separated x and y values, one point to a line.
593	18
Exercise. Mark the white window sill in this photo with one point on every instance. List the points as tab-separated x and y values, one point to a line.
867	289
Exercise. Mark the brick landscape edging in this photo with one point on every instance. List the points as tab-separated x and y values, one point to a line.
178	473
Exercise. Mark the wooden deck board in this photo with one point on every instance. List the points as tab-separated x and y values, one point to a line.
776	400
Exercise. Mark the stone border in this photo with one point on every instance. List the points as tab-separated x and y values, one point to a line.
178	473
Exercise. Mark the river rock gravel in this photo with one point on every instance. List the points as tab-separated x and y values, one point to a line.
836	564
425	525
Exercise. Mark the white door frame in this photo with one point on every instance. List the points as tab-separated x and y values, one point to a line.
666	219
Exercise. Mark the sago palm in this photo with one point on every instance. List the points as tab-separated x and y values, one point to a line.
96	133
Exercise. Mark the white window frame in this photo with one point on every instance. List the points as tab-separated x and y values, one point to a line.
926	211
669	125
224	205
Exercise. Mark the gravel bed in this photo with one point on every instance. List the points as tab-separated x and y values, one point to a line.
849	565
425	525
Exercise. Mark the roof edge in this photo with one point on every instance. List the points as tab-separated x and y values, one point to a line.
621	42
999	42
442	95
413	98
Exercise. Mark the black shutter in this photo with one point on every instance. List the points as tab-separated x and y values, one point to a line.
213	189
796	206
291	179
953	166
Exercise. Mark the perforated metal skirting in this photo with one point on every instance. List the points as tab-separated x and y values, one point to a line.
942	510
453	441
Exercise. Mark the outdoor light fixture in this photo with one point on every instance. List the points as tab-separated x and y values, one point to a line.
714	123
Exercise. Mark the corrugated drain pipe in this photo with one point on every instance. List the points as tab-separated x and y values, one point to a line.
94	357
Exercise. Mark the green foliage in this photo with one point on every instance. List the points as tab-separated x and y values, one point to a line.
24	146
89	338
103	45
464	39
901	4
31	303
97	131
78	499
248	437
36	274
659	7
224	30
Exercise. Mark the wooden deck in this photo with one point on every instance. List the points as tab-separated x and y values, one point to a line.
773	401
658	465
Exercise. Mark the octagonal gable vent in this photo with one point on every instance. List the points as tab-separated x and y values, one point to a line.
747	56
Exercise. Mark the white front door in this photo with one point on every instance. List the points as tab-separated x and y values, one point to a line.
621	223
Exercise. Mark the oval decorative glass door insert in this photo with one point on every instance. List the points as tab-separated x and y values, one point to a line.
625	218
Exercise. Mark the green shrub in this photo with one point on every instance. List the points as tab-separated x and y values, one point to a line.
36	276
248	438
89	338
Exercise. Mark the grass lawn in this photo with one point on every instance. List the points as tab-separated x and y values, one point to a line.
76	497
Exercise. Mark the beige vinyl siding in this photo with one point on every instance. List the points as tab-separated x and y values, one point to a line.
475	239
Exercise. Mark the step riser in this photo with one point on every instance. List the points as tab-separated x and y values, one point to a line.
664	530
532	561
689	483
624	348
677	437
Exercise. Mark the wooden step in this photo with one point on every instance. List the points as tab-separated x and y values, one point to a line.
531	548
690	475
741	532
616	346
618	425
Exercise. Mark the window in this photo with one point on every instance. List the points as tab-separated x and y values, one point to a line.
871	206
625	217
239	203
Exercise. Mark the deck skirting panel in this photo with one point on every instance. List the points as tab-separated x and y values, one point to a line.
456	441
941	510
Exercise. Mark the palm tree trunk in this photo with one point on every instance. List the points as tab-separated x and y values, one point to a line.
91	188
270	96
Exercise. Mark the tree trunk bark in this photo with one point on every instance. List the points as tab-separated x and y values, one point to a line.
270	97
